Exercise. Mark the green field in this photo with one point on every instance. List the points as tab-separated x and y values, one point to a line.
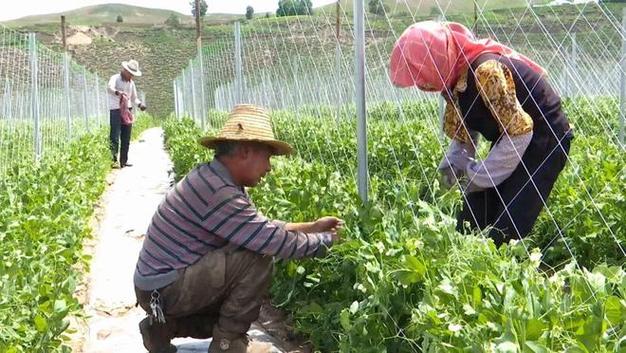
403	280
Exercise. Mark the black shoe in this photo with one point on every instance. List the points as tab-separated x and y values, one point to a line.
127	165
150	334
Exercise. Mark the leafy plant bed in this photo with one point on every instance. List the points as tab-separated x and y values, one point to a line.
403	280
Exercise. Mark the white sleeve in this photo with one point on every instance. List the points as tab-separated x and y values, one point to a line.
111	86
459	153
502	160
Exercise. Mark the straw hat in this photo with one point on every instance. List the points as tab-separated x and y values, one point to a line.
132	66
248	122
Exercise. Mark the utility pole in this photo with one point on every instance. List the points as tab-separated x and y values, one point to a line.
63	32
198	36
338	23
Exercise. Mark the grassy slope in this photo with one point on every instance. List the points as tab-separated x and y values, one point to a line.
163	51
98	15
106	13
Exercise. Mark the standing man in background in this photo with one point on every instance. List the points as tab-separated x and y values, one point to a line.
122	87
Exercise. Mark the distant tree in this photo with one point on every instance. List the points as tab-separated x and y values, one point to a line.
294	7
173	21
120	19
267	15
377	7
249	12
434	11
203	7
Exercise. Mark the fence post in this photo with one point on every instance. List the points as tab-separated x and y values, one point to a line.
338	55
98	115
442	112
85	98
175	98
238	65
203	109
182	98
34	94
193	92
359	68
8	100
622	95
572	66
66	84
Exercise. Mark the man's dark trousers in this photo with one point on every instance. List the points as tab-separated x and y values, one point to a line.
119	131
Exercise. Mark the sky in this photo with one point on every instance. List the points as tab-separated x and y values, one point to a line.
19	9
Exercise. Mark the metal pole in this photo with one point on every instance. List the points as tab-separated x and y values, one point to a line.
182	94
361	127
175	99
238	65
623	80
193	92
197	15
66	83
475	26
442	111
202	98
63	33
338	55
98	97
34	91
572	66
573	63
8	100
85	98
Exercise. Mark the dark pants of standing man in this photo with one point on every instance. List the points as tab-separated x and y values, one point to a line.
119	131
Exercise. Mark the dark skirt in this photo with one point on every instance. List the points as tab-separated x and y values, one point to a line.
512	207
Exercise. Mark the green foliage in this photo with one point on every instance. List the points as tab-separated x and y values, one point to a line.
249	12
173	21
203	7
119	19
181	140
377	7
402	279
294	7
45	213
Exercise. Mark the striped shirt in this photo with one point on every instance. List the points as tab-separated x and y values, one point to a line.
207	211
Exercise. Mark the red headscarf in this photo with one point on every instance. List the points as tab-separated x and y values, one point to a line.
431	55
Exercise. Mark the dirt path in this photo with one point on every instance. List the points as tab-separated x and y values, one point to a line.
127	207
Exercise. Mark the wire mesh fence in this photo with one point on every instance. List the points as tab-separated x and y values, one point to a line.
304	70
305	65
47	99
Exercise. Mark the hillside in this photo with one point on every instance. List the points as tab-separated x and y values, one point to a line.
99	15
163	51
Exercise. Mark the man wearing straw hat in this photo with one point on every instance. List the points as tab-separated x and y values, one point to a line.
206	261
122	93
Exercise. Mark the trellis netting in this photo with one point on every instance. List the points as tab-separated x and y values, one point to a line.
47	99
304	69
